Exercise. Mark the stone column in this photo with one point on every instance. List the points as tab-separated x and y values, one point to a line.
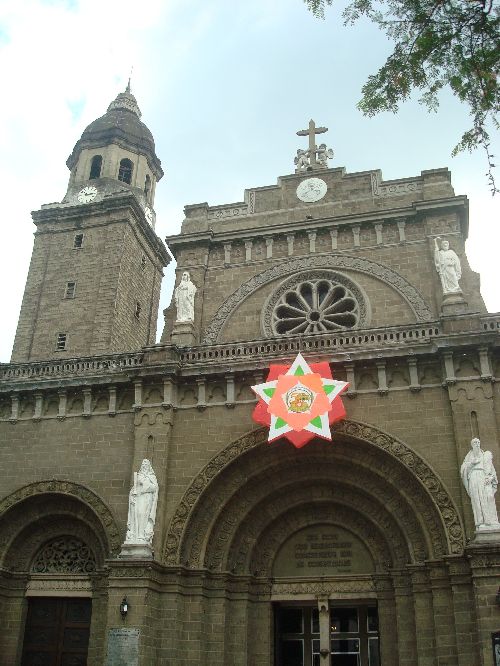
444	624
378	230
248	250
407	646
387	619
269	247
324	632
87	401
227	253
168	392
485	569
382	378
334	233
484	361
355	234
202	399
137	394
449	368
37	415
463	609
290	239
112	401
230	399
412	366
401	228
62	403
351	378
312	241
424	625
14	407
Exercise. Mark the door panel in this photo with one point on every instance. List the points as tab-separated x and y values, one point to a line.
57	632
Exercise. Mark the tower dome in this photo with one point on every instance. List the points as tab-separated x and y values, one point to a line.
118	150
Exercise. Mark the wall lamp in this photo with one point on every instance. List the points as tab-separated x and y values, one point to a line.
124	606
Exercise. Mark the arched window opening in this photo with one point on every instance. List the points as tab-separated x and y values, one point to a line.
125	171
147	187
95	167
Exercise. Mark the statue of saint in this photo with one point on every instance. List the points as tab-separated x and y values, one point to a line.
302	160
480	481
142	502
184	298
448	267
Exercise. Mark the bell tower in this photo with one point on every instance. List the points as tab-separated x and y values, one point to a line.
93	285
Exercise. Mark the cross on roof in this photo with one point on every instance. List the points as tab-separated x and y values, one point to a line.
311	132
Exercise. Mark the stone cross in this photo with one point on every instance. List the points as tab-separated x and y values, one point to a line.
311	132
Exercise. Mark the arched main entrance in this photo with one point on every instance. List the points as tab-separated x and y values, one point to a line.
373	507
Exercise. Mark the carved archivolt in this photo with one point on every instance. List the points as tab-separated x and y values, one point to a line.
39	510
331	261
409	489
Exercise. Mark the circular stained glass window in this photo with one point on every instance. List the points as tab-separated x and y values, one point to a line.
323	302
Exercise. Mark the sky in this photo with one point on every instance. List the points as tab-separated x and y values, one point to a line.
224	85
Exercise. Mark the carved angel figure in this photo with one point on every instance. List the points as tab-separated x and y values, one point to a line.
323	154
302	160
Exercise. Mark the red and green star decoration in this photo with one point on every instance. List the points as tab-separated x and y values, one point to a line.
299	401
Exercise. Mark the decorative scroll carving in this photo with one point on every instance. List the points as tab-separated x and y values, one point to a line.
284	268
360	585
73	490
426	484
66	555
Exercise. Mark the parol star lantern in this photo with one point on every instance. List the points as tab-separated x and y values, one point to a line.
299	401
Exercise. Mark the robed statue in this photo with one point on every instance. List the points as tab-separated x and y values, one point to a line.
184	298
480	480
448	267
143	499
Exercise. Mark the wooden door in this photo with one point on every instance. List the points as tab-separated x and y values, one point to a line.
57	632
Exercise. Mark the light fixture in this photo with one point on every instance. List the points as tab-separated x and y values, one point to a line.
124	606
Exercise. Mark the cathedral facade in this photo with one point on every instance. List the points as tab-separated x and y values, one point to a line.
364	547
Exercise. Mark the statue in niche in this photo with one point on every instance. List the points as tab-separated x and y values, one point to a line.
143	499
184	298
480	480
302	160
448	267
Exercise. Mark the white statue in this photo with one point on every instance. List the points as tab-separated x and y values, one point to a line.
323	154
480	481
142	502
184	298
302	160
448	267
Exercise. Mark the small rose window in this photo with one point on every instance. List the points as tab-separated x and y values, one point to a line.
315	301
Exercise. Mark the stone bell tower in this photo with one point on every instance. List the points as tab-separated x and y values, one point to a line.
94	280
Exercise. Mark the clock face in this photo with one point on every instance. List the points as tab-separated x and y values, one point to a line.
311	189
149	214
88	194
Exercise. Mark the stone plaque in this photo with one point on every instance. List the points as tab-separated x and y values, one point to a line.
123	647
323	550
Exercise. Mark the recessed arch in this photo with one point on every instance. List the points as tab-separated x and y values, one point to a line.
283	269
40	511
226	491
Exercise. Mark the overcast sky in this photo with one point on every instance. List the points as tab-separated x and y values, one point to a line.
223	85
